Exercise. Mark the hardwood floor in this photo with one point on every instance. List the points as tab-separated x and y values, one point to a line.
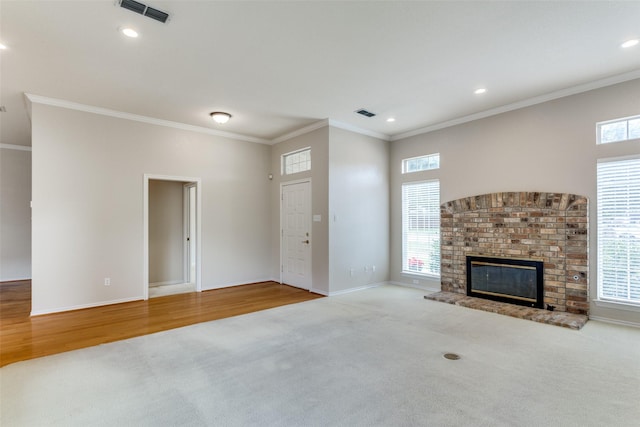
23	337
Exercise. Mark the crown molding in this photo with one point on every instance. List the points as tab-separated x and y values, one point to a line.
307	129
333	123
574	90
356	129
138	118
15	147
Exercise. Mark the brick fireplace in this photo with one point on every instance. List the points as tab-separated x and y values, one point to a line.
548	226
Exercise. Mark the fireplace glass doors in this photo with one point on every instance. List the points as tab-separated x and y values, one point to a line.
516	281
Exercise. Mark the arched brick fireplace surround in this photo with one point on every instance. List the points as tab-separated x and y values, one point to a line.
548	226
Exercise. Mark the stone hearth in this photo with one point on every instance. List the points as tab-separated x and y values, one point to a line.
557	318
548	226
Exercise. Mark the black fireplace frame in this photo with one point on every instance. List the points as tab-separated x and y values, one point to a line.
537	264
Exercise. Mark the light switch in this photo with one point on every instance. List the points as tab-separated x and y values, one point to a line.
317	218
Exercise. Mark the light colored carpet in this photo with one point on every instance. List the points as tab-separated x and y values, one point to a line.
370	358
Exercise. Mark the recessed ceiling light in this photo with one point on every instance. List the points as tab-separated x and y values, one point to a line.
2	47
129	32
480	91
630	43
220	117
391	119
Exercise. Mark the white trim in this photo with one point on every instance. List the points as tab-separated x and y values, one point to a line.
356	129
614	321
617	305
145	227
280	196
15	147
247	282
608	122
333	123
414	286
168	283
609	81
318	291
138	118
356	289
3	280
83	306
616	159
307	129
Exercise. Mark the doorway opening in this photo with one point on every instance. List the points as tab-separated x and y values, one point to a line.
171	229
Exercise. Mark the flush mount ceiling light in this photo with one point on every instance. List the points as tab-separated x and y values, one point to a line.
220	117
129	32
480	91
630	43
391	119
2	47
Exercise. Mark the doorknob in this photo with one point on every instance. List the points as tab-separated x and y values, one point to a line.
305	241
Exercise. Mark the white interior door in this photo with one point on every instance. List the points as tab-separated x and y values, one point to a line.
295	216
190	232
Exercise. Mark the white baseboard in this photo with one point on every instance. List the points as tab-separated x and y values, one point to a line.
231	284
81	306
615	321
14	279
318	291
356	289
409	285
169	282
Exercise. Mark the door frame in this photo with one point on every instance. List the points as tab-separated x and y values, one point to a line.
145	226
186	231
310	260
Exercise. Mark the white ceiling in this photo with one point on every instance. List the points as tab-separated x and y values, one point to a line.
280	66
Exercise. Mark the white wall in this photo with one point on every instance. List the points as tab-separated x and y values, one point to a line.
166	231
358	210
318	140
350	191
15	214
88	205
547	147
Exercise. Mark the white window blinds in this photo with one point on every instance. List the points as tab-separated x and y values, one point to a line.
619	230
421	227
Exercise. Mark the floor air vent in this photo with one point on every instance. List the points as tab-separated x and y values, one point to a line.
365	112
144	10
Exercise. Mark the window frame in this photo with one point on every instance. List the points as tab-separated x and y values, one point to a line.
604	229
626	120
285	156
406	161
405	264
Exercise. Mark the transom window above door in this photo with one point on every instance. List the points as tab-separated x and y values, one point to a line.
296	161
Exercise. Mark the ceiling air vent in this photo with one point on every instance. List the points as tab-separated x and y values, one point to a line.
365	113
145	10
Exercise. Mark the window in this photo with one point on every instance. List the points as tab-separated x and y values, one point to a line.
297	161
619	130
421	227
619	230
422	163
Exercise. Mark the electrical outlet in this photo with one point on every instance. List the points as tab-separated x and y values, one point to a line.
416	282
373	268
352	272
107	281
